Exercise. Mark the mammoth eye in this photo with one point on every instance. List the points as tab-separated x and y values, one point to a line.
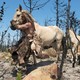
18	15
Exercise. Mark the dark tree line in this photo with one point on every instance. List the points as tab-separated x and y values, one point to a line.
64	15
5	38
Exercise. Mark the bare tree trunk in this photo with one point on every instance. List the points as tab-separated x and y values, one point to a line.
63	58
57	12
64	42
2	38
30	2
68	15
8	43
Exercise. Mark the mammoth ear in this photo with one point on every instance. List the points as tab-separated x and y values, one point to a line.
20	8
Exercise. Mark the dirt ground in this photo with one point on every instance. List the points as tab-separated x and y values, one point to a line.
8	72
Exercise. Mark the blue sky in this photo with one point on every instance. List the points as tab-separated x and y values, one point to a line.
39	15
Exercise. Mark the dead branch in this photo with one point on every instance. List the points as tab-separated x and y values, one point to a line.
34	5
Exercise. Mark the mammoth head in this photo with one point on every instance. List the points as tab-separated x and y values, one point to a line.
20	17
17	19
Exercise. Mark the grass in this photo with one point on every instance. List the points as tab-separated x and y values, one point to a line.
19	75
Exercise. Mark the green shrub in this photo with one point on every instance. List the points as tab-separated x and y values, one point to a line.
19	75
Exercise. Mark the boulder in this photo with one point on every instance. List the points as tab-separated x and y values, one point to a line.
48	72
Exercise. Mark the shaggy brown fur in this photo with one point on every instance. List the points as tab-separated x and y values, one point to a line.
21	51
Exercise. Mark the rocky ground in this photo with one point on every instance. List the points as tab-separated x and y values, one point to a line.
5	67
8	72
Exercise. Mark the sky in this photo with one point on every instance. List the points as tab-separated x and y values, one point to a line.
39	15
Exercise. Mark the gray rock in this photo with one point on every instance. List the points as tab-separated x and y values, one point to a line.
1	78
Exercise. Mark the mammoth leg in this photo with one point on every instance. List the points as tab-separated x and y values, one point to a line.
58	49
34	57
73	56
